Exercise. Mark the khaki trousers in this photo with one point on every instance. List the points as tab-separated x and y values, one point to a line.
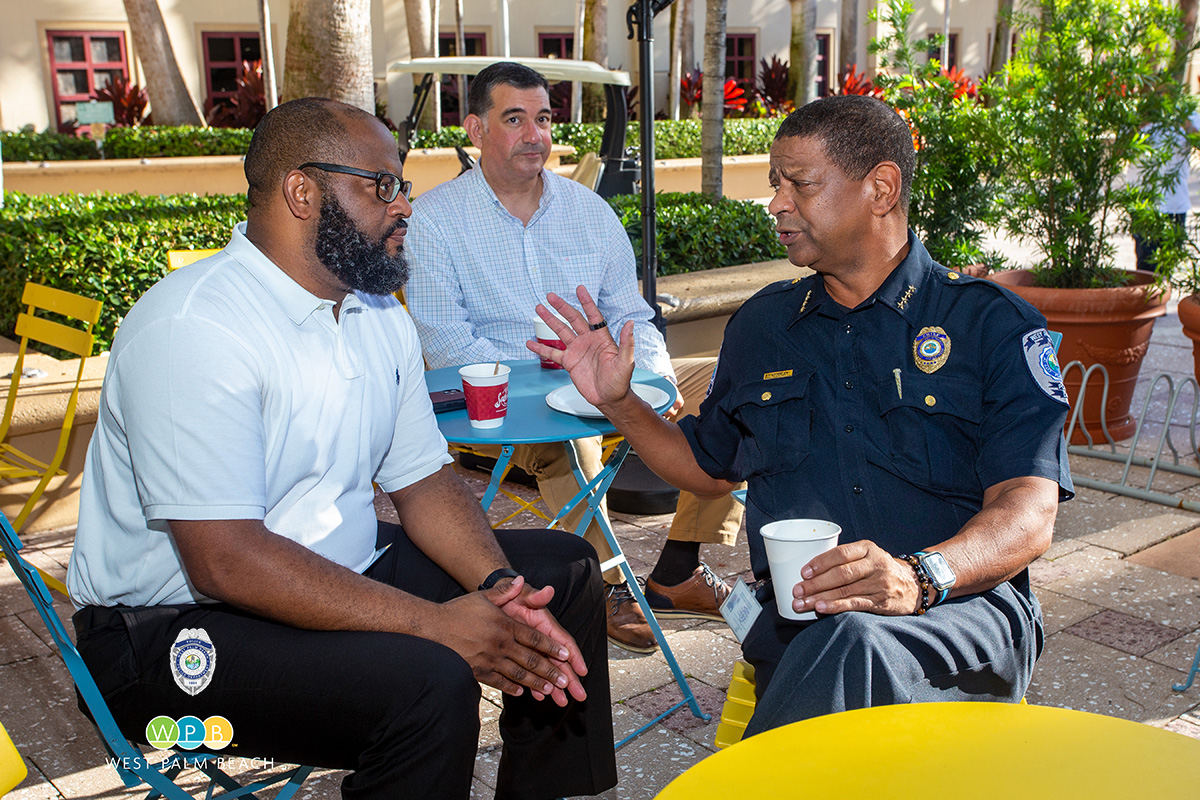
715	520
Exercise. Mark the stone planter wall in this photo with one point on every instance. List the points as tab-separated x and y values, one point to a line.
696	326
745	177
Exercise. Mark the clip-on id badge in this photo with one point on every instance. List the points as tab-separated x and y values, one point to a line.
740	610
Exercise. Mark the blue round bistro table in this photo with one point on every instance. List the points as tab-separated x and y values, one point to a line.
531	421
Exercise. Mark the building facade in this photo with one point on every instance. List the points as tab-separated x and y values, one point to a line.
57	53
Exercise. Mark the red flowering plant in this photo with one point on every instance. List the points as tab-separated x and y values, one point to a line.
692	90
955	137
248	104
771	93
856	82
128	99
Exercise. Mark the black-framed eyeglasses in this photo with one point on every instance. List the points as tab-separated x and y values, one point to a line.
387	186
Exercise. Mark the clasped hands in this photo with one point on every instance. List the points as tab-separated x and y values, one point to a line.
513	643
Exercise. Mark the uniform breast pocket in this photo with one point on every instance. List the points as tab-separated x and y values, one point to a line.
775	418
933	430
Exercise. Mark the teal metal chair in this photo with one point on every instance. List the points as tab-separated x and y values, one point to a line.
131	764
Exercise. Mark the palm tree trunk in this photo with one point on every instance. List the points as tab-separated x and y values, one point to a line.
577	53
329	52
595	48
436	90
418	16
802	72
460	47
847	40
712	101
1002	43
270	90
675	67
170	99
683	51
1187	10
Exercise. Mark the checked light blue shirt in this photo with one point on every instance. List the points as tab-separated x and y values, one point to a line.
478	272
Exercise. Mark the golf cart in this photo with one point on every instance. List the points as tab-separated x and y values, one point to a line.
619	172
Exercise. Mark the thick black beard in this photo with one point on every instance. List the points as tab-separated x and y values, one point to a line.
359	262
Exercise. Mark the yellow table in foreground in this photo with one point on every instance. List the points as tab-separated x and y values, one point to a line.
924	750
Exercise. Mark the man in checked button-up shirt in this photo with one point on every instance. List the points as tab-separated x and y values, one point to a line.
486	248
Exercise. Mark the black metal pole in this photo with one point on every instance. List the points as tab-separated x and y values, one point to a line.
642	14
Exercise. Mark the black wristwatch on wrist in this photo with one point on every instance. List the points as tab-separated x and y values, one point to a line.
496	576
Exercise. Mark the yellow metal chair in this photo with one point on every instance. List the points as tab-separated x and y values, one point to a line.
12	766
739	706
14	464
181	258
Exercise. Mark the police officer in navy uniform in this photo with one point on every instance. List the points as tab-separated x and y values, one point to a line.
919	409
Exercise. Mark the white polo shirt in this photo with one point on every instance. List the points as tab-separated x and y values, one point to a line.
234	393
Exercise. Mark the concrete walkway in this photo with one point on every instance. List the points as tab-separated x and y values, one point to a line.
1119	589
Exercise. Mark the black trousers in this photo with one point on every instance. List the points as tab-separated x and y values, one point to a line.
976	647
400	711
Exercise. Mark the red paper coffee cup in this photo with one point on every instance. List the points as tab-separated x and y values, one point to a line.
485	388
546	335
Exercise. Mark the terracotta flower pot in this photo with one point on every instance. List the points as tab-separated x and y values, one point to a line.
1106	326
1189	317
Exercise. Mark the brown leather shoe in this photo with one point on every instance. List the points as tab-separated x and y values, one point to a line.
627	626
699	597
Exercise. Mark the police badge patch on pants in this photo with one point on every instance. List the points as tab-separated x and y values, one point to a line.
193	659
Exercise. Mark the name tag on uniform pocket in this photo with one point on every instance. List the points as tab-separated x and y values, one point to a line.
740	609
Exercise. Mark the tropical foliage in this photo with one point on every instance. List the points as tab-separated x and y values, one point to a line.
953	133
1089	91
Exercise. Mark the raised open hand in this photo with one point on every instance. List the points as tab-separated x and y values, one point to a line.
600	370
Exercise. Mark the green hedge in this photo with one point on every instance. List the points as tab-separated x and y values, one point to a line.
695	233
114	247
26	145
673	139
159	142
110	247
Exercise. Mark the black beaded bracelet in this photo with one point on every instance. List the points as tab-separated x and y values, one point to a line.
923	583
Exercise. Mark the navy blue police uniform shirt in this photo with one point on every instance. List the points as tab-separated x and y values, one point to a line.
889	419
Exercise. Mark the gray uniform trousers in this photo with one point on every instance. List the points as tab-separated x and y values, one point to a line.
975	647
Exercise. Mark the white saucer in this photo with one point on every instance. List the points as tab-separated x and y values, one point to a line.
568	400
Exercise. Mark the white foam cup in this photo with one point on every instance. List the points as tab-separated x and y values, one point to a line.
790	544
486	391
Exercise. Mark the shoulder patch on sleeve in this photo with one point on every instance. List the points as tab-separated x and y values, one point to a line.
713	377
1043	364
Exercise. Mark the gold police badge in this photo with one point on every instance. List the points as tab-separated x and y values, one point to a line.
931	348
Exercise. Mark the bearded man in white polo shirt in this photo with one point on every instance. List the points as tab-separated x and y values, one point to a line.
251	400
